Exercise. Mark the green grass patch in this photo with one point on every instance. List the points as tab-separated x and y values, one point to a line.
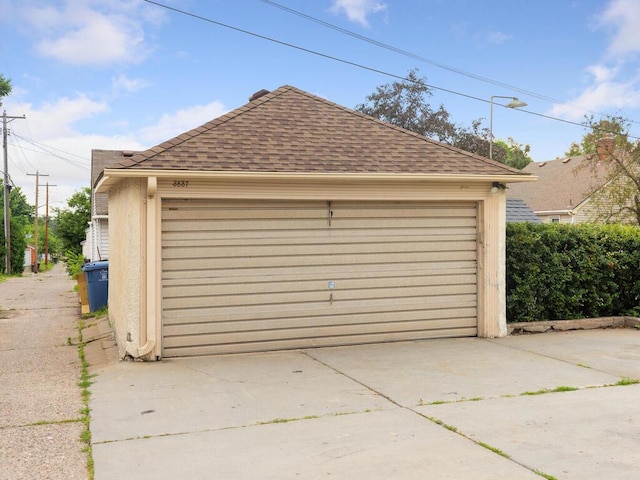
544	391
626	381
442	424
544	475
286	420
493	449
101	312
84	383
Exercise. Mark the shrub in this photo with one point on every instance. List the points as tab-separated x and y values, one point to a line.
560	271
73	262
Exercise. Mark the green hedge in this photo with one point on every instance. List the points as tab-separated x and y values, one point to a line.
559	272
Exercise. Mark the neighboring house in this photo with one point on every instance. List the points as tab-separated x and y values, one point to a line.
563	190
518	211
96	245
293	222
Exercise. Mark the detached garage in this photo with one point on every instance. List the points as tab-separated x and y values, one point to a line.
293	222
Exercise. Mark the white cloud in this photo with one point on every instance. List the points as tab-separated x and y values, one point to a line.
602	73
624	17
122	83
87	32
171	125
358	10
53	119
60	151
600	97
497	38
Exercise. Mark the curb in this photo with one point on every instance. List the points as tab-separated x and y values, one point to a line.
567	325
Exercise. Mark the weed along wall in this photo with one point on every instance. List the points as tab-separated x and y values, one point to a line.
563	272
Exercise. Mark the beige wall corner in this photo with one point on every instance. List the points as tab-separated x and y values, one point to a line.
492	317
125	261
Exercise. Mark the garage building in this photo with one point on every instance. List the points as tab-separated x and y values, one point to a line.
293	222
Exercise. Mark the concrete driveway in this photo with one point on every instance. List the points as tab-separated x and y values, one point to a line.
446	409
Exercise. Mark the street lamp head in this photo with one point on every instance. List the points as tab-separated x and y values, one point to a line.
516	103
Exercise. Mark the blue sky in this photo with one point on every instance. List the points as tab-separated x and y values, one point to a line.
128	74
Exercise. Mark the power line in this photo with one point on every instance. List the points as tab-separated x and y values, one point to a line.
415	56
359	65
49	150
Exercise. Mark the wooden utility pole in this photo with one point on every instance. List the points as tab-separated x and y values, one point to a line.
6	191
46	228
35	226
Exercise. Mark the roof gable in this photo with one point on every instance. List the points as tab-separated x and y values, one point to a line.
292	131
562	184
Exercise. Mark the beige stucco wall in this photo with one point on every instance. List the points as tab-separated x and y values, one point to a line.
126	207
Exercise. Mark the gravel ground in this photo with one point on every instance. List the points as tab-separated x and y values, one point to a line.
40	400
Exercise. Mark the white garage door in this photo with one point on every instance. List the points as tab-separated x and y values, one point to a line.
242	276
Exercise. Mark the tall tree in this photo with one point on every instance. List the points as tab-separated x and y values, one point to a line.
607	150
405	104
21	218
71	222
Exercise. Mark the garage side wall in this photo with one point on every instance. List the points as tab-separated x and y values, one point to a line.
126	202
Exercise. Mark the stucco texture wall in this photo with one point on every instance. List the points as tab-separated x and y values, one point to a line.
126	203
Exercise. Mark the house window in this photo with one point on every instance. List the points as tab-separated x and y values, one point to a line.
555	219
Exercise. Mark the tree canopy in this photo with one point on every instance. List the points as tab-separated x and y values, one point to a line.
5	87
616	127
71	222
404	103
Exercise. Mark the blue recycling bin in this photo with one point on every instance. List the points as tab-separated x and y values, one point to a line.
97	274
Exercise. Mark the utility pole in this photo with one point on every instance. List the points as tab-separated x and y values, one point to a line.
6	191
35	226
46	228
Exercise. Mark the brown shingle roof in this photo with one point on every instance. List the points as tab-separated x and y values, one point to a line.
562	184
289	130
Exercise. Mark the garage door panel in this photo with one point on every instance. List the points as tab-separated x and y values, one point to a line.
310	259
316	341
258	285
414	211
322	271
318	238
429	277
317	331
334	233
271	250
250	276
215	299
236	214
320	310
416	313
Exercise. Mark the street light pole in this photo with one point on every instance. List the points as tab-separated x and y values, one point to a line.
514	103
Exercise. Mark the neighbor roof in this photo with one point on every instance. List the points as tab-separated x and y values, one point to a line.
100	159
519	211
292	131
562	184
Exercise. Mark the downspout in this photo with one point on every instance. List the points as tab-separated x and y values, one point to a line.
150	319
